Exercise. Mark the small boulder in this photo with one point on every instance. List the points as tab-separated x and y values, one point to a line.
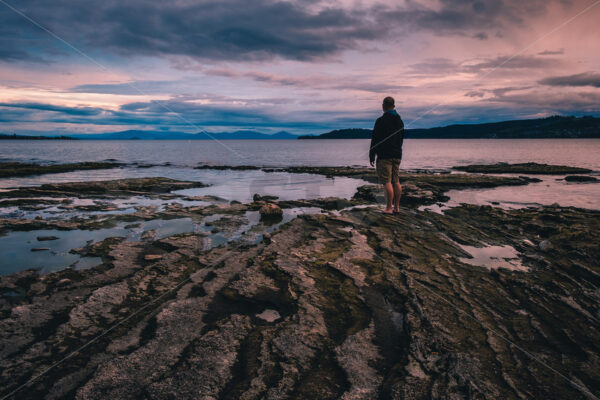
258	197
46	238
580	178
270	210
149	235
153	257
40	249
545	245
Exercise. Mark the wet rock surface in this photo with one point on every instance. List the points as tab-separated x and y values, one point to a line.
419	188
523	168
346	303
580	178
11	169
113	188
352	304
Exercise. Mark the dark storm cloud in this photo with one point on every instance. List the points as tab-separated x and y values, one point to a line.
241	29
584	79
218	30
83	111
9	53
164	113
462	17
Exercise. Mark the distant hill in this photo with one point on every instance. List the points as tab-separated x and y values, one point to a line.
162	135
551	127
26	137
356	133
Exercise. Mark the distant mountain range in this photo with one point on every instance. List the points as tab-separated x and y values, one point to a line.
168	135
551	127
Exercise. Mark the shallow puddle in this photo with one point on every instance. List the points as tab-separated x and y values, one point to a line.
269	315
492	257
22	249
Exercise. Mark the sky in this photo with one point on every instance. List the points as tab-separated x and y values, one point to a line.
306	67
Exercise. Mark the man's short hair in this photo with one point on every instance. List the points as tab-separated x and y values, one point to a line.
388	102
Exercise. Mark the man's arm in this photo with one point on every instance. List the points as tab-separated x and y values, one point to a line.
374	141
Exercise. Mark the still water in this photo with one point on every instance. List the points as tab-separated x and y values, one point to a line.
418	153
21	250
182	156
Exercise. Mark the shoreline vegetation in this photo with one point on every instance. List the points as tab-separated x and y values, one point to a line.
556	127
344	302
563	127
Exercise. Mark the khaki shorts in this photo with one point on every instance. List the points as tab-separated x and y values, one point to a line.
388	170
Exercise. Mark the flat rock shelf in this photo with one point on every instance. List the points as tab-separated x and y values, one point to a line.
332	300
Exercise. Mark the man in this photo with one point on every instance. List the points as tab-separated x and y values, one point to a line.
386	144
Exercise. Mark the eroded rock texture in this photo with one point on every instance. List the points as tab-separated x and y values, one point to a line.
354	306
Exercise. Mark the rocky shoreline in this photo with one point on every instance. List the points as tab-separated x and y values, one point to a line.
13	169
341	303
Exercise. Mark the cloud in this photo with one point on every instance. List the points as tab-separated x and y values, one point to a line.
551	52
459	17
185	115
510	62
216	30
446	66
8	52
347	82
79	111
583	79
241	30
128	88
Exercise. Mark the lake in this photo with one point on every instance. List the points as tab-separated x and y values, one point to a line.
418	153
241	185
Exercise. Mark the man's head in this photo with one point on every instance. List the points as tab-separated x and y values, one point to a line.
388	103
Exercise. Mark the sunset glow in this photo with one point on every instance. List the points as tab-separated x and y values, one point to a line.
273	65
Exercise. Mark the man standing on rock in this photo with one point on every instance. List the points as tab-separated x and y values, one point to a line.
386	144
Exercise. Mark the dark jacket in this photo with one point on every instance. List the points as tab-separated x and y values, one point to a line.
388	135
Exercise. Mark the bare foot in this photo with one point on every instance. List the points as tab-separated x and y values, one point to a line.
388	211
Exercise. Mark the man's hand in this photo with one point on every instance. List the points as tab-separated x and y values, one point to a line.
373	164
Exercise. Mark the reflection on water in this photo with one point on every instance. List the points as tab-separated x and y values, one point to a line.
243	184
22	250
549	191
493	257
53	255
418	153
227	184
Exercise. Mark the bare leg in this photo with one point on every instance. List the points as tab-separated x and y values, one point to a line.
389	196
397	195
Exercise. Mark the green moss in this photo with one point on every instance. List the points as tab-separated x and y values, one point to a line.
343	309
325	380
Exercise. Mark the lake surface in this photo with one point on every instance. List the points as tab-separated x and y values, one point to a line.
418	153
182	156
